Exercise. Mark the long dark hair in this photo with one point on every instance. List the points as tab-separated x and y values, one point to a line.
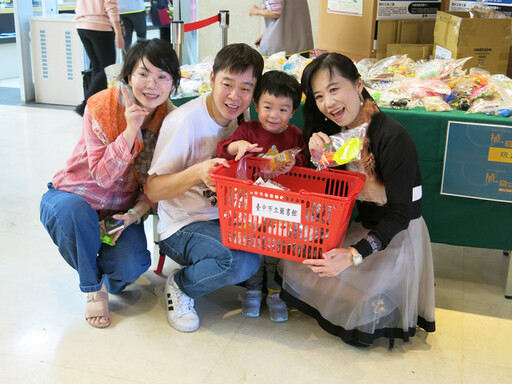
335	63
159	53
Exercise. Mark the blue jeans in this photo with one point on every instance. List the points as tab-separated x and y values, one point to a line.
207	264
74	228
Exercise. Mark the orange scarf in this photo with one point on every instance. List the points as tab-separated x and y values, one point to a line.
107	109
367	161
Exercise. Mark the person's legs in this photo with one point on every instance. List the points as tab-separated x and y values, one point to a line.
208	264
251	302
100	47
139	24
270	264
127	26
73	226
127	260
165	33
276	307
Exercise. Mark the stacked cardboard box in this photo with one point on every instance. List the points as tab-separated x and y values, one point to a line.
487	41
368	30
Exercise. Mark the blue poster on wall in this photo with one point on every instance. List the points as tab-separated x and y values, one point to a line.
478	161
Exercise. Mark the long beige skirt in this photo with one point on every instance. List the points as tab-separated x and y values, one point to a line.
387	295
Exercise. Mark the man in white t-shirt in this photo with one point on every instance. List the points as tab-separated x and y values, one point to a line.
179	179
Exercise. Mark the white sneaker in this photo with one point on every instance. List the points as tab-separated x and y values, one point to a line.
181	314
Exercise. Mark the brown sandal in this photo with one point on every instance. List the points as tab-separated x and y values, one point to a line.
97	306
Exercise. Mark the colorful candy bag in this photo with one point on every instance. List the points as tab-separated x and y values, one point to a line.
346	147
278	163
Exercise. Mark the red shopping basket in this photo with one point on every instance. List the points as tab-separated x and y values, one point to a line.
302	223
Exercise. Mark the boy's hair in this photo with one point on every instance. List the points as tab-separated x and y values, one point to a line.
159	53
278	83
238	58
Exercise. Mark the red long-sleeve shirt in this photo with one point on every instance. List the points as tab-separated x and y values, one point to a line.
254	133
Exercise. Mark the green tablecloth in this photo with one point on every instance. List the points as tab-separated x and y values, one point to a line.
450	220
454	220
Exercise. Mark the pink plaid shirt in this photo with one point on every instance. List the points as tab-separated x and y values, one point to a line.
100	172
272	5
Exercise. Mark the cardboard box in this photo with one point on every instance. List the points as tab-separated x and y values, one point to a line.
414	51
503	6
403	32
487	41
363	34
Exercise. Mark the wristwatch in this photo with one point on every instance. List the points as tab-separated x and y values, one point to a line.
356	257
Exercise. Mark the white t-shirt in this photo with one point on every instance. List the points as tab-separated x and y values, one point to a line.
188	136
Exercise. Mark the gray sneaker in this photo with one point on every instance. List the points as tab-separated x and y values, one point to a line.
251	303
277	308
181	314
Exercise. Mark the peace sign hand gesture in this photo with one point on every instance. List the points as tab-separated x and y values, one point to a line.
134	115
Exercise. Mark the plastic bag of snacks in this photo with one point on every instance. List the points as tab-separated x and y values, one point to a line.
436	103
275	61
503	86
295	65
278	163
346	147
440	68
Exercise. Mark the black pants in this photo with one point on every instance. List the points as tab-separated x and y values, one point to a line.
133	22
101	49
165	33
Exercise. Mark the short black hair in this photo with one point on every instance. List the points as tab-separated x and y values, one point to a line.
279	83
238	58
159	53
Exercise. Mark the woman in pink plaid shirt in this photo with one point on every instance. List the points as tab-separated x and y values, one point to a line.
105	176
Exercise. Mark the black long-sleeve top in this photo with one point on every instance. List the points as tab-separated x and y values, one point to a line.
396	165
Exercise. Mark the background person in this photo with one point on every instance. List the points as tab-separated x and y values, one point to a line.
179	179
99	28
160	18
287	27
380	282
105	174
133	18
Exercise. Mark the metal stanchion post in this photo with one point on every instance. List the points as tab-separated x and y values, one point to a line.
177	37
224	24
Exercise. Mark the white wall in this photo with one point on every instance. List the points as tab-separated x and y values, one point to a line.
9	63
242	27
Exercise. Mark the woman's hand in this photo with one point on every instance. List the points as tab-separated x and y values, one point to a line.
254	11
119	41
128	220
206	167
319	142
318	145
134	115
333	263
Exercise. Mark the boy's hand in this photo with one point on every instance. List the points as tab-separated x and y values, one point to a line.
241	147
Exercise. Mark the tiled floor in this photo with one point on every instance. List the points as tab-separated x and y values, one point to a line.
45	339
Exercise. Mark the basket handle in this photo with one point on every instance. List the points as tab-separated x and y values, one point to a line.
216	176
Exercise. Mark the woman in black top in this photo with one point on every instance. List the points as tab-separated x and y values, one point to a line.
380	282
